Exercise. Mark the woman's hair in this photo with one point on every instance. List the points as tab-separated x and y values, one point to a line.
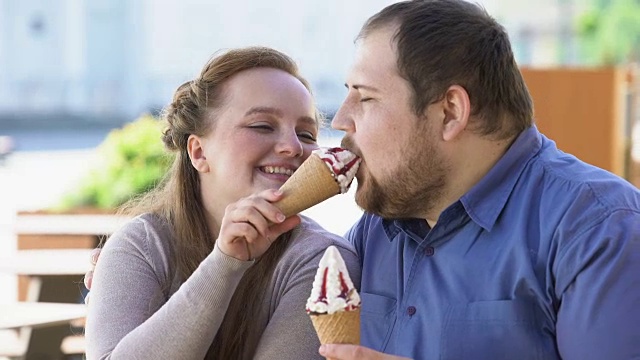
177	199
453	42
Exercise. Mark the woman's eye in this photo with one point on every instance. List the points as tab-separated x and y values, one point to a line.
307	136
263	127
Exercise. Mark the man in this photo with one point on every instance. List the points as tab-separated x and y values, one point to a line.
480	239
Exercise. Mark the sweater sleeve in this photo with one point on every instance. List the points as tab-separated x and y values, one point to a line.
289	333
129	316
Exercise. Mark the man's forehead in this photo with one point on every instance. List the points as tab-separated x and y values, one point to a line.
374	61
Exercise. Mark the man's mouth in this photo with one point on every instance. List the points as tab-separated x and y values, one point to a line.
348	144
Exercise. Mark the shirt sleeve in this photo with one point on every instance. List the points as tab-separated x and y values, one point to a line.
598	287
129	316
290	333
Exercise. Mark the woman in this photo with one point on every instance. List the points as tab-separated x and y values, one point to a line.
209	268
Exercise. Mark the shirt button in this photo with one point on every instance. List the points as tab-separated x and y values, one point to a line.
429	251
411	310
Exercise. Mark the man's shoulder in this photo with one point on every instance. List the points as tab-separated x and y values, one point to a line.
570	180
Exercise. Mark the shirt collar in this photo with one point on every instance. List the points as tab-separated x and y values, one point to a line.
390	228
417	229
485	201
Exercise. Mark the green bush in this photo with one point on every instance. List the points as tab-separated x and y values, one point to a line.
129	162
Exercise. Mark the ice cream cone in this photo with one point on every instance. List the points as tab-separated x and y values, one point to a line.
341	327
311	184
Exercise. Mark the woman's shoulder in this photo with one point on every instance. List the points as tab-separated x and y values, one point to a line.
313	238
140	229
147	235
308	244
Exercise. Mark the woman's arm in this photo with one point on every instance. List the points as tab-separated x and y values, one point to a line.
129	316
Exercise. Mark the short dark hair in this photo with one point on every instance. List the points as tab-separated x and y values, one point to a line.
453	42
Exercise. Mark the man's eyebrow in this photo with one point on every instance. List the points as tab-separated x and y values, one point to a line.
359	86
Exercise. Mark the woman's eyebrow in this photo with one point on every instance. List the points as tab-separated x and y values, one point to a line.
308	120
264	110
277	112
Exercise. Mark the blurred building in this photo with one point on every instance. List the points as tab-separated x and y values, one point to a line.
106	61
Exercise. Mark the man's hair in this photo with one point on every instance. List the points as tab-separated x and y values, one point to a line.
453	42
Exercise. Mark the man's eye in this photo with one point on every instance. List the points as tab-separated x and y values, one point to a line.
365	99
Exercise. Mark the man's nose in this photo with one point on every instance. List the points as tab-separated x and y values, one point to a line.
343	120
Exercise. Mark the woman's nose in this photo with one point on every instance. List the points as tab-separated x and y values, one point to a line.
290	145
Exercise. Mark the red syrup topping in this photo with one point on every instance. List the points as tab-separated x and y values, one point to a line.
344	288
346	168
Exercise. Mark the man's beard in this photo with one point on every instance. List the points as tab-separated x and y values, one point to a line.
412	189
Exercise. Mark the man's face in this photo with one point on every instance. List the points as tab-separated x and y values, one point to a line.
402	171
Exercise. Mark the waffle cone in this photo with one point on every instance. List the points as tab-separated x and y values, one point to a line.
311	184
342	327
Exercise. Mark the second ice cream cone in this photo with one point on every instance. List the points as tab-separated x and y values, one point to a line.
342	327
311	184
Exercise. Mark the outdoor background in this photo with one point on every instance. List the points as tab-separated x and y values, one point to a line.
73	70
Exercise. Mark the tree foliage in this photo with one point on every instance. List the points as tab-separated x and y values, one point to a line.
130	161
610	32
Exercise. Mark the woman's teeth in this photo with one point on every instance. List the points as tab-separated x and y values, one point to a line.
277	170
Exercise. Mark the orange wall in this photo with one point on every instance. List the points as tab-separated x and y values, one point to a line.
582	110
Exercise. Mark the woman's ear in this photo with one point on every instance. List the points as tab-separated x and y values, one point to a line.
457	107
196	154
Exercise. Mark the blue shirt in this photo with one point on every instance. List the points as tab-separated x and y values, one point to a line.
539	260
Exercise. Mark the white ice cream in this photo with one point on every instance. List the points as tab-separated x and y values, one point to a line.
333	289
342	163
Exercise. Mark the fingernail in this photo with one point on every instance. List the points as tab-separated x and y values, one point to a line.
278	192
280	217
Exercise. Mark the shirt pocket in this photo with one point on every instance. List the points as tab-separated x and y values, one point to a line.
377	316
505	329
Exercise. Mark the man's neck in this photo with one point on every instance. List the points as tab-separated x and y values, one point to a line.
472	159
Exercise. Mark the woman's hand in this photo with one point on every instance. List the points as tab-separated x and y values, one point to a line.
251	224
88	276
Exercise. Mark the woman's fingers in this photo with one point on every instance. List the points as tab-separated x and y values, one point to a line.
276	230
251	224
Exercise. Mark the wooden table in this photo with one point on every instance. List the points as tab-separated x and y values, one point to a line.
46	262
54	298
39	314
54	275
62	231
38	329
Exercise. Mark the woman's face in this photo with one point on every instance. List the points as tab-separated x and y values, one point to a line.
264	130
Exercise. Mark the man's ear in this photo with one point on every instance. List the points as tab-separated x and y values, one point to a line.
196	153
456	107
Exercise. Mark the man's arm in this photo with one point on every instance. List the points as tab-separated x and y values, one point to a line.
598	287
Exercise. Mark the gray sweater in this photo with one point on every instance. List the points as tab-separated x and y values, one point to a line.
139	311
